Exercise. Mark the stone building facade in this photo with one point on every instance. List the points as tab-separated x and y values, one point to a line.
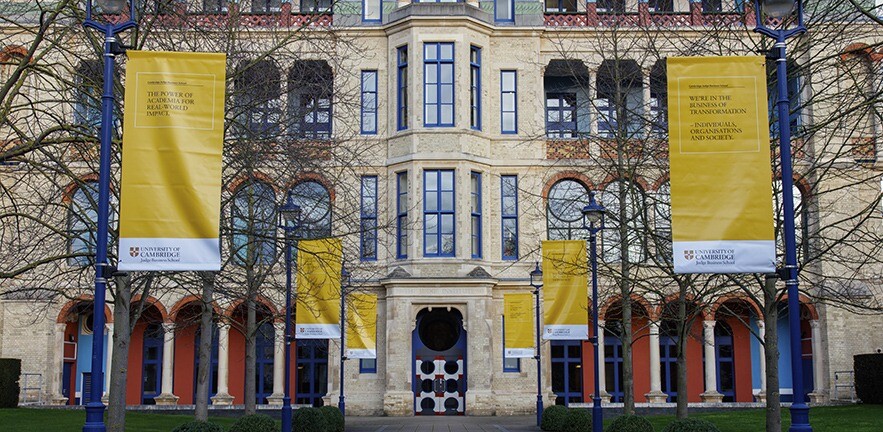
479	128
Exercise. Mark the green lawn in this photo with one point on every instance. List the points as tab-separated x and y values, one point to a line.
32	420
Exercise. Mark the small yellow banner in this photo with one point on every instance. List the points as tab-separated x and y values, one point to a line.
173	138
517	317
318	289
721	180
361	325
565	295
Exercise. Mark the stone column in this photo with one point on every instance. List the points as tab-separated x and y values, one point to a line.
168	366
592	94
818	395
711	394
602	373
223	396
107	361
398	400
656	395
278	366
645	82
761	331
57	370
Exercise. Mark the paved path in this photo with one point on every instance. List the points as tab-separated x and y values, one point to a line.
442	424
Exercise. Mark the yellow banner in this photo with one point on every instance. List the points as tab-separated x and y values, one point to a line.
565	295
721	188
517	317
173	136
361	325
318	289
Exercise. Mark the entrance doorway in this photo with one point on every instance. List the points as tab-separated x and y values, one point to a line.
439	347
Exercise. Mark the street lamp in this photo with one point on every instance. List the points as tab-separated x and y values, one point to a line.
344	284
594	214
95	408
780	11
289	219
536	281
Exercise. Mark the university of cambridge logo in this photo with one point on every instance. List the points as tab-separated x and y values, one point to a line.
134	251
688	254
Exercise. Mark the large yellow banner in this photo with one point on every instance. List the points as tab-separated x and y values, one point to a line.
518	334
173	136
361	326
318	289
721	188
565	295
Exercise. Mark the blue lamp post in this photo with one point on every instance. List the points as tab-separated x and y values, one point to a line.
95	408
536	281
782	12
289	219
593	213
344	284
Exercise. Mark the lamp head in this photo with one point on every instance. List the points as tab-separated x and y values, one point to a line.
110	7
289	213
594	211
536	277
778	9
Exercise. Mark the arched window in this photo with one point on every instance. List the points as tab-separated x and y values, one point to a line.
632	218
87	98
254	224
258	100
310	91
315	203
82	224
564	216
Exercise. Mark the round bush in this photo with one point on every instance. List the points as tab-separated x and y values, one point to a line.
198	426
630	423
309	420
255	423
868	377
334	418
578	420
691	425
554	418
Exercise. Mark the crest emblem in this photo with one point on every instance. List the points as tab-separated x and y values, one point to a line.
134	251
688	254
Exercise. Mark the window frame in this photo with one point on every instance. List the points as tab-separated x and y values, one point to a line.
259	236
560	131
438	64
508	369
514	109
364	369
439	212
476	215
475	87
373	128
402	88
511	4
401	215
507	217
370	218
379	4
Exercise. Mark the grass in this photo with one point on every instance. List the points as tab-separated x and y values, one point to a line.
852	418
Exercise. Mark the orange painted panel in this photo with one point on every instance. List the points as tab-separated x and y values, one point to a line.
185	347
135	366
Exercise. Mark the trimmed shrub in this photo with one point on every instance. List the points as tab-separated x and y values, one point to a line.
630	423
334	418
868	377
578	420
554	418
255	423
10	371
198	426
691	425
309	420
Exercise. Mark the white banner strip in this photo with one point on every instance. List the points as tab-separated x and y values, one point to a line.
565	332
519	353
146	254
725	256
361	353
317	331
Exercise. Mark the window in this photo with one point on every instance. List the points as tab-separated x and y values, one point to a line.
164	7
611	199
258	100
315	6
438	88
214	6
564	212
611	6
82	218
509	213
620	98
510	364
402	215
368	241
661	5
402	99
438	213
266	6
561	115
367	365
254	224
565	85
504	10
795	105
372	10
606	118
508	102
315	203
475	88
310	84
711	6
658	100
475	204
369	102
560	5
89	82
662	222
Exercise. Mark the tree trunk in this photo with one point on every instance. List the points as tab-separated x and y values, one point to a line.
771	353
683	334
628	379
116	398
250	334
203	378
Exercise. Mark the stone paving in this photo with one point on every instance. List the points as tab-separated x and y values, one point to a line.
442	424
